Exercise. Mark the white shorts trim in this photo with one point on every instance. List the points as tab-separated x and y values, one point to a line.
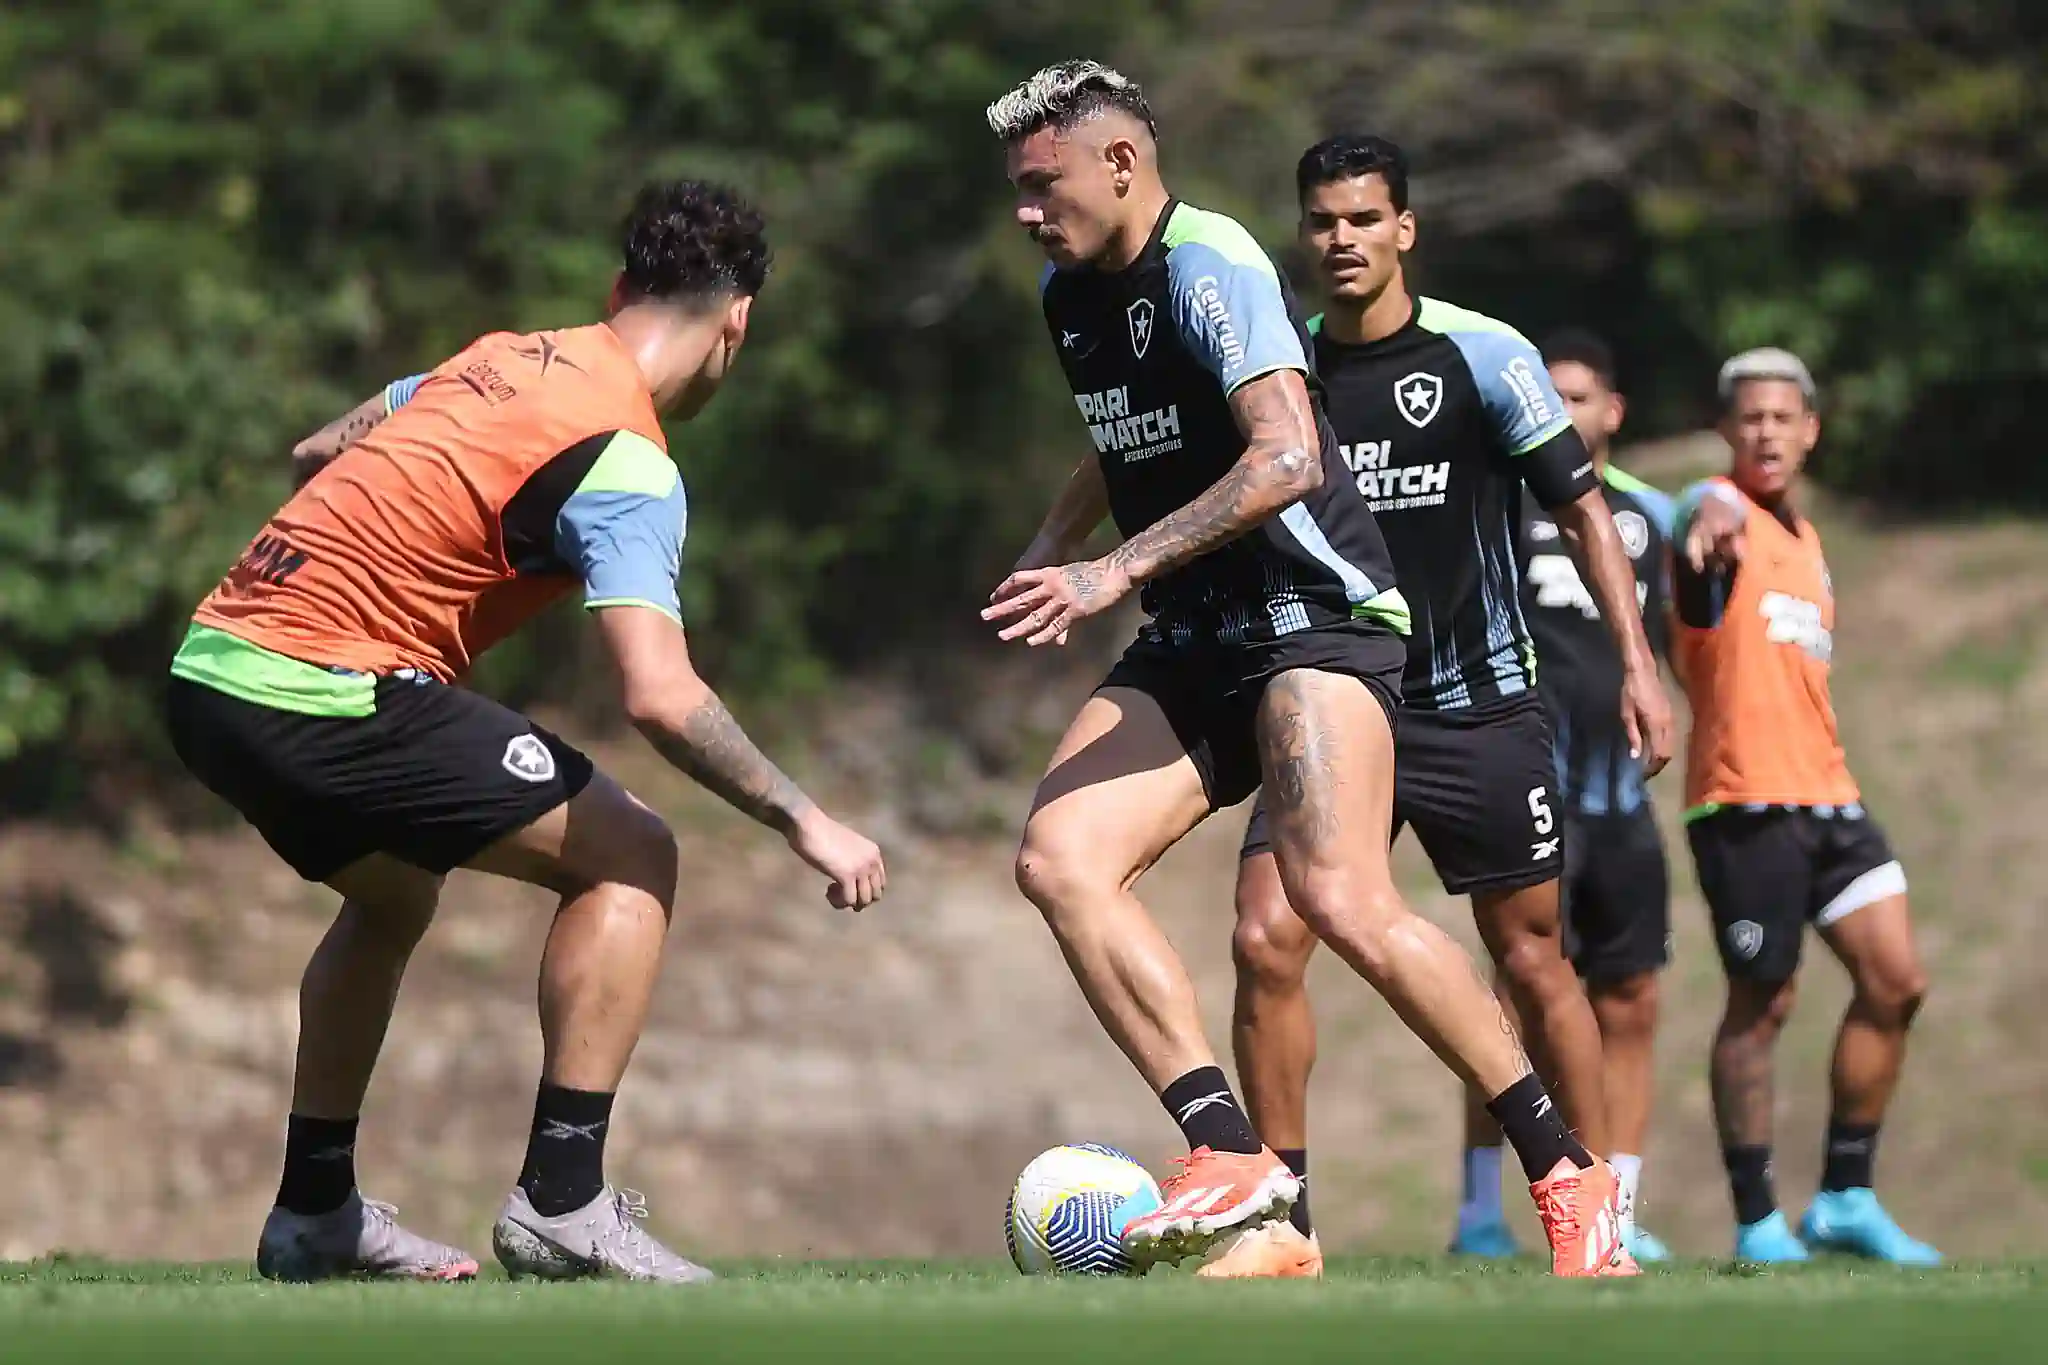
1880	883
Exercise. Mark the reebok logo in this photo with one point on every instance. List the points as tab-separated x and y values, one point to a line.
1544	848
558	1131
1201	1102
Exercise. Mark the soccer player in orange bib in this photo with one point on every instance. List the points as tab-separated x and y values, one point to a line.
317	693
1779	835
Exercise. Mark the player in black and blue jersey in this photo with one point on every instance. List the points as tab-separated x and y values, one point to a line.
1272	659
1443	416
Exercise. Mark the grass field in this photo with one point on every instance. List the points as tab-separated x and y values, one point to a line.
1378	1309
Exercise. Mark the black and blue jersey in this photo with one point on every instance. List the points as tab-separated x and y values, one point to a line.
1580	666
1439	425
1152	354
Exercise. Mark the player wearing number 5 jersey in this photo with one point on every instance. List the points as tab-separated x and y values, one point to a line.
1272	658
1778	831
1616	886
1443	416
318	692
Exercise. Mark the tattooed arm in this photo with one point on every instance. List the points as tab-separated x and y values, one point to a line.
313	454
690	727
1282	462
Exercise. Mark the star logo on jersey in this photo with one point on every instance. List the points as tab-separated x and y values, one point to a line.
1419	396
1634	532
546	353
1745	939
1140	315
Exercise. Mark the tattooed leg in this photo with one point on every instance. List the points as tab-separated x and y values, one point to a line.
1327	753
1742	1067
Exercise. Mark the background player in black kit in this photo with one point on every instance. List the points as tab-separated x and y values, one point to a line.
1442	415
1616	884
1272	660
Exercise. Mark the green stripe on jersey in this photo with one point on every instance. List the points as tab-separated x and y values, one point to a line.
630	463
1389	607
1434	315
1225	236
227	663
1623	481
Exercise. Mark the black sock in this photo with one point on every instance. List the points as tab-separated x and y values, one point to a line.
1208	1114
1749	1180
319	1165
1297	1162
565	1153
1852	1152
1531	1121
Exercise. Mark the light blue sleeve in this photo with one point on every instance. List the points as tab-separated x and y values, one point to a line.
1659	508
1689	502
1514	383
1230	314
399	392
627	546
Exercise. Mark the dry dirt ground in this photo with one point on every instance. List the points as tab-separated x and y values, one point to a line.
816	1084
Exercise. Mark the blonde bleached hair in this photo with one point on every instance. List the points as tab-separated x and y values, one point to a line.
1064	94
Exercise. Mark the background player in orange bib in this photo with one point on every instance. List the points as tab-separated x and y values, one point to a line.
1778	831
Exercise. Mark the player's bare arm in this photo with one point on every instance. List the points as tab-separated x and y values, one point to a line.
690	727
1282	462
1588	527
1080	507
317	451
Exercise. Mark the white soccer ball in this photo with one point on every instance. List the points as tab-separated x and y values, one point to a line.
1069	1208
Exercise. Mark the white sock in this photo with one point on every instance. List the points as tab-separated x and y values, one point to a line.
1629	1169
1479	1201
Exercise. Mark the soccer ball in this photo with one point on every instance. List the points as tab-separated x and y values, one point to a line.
1069	1208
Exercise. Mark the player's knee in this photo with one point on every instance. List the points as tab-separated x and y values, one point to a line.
1894	997
1366	917
1052	870
1271	944
1759	1010
646	857
1627	1006
1534	962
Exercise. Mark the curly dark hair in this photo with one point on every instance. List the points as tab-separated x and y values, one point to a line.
1350	156
690	240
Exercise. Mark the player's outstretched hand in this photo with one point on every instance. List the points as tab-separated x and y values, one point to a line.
851	860
1041	605
1718	534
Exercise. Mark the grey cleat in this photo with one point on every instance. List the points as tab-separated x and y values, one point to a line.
361	1238
603	1238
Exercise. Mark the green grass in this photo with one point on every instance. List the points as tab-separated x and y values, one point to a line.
1369	1309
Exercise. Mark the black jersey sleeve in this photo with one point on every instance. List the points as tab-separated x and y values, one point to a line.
1559	470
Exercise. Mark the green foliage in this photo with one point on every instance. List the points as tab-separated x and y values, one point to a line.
222	221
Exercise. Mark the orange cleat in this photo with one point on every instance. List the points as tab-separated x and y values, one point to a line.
1273	1252
1213	1195
1581	1213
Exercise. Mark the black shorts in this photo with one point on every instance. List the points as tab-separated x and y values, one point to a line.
1768	873
1478	784
1210	691
1617	895
433	777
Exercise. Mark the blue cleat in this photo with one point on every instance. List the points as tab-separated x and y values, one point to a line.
1769	1241
1854	1223
1488	1240
1645	1247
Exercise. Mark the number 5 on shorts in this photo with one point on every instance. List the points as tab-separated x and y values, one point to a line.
1540	809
